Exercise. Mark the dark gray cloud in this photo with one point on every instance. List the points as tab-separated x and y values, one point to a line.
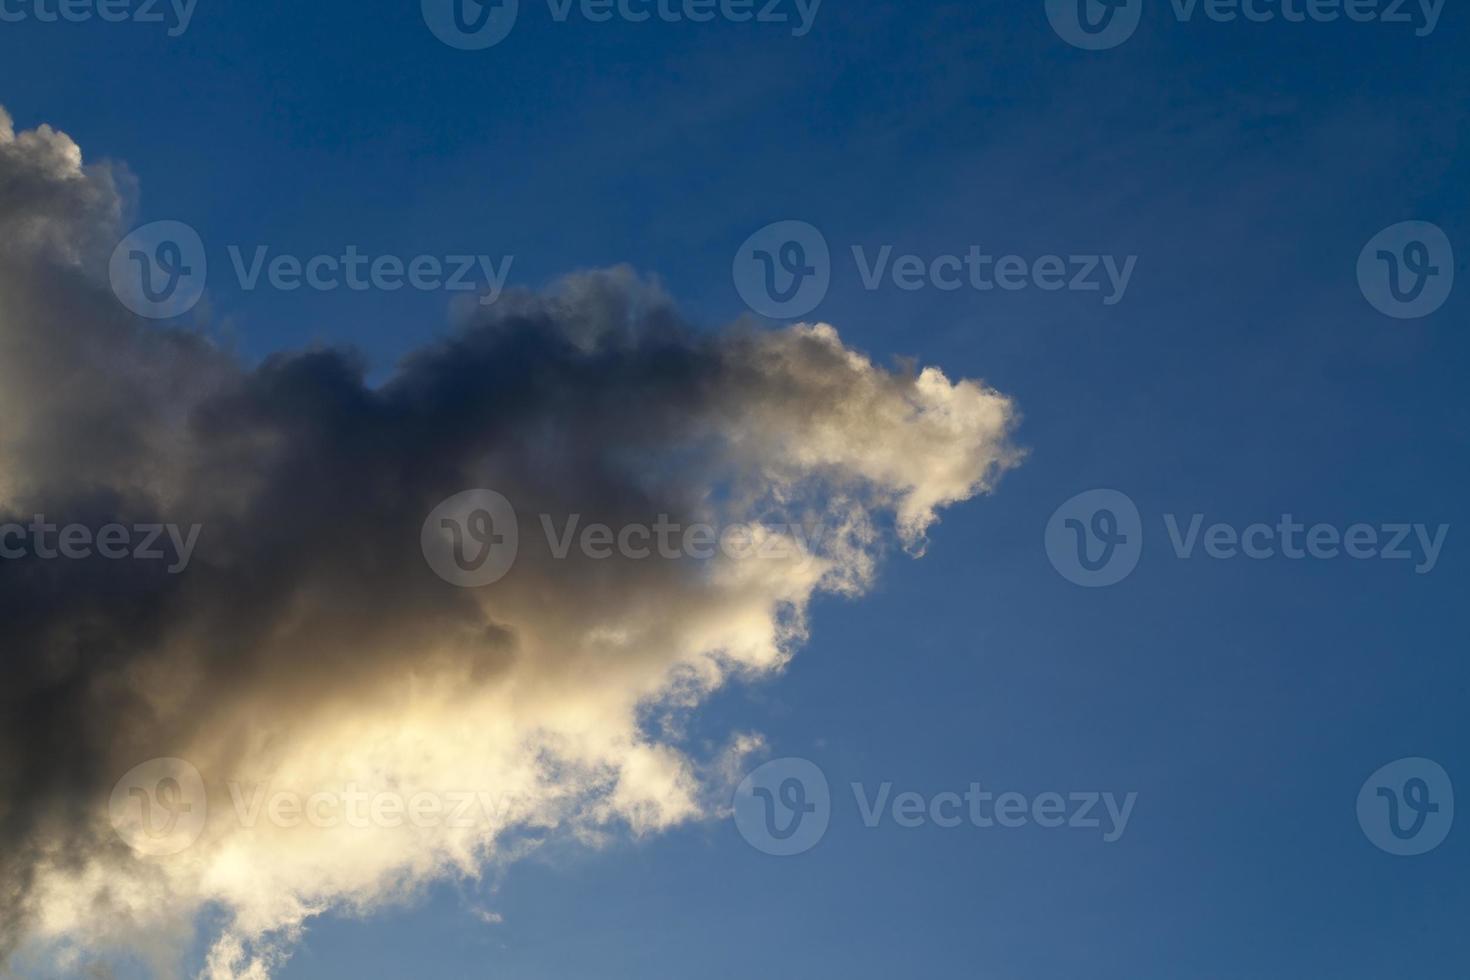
308	645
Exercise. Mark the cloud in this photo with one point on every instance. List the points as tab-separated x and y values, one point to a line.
309	653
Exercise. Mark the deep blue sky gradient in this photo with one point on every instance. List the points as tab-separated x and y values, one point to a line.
1243	376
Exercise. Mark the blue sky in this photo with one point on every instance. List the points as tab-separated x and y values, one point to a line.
1242	376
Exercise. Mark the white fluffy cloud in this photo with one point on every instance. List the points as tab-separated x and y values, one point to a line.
308	649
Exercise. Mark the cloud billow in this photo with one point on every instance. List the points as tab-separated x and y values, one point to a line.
308	647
